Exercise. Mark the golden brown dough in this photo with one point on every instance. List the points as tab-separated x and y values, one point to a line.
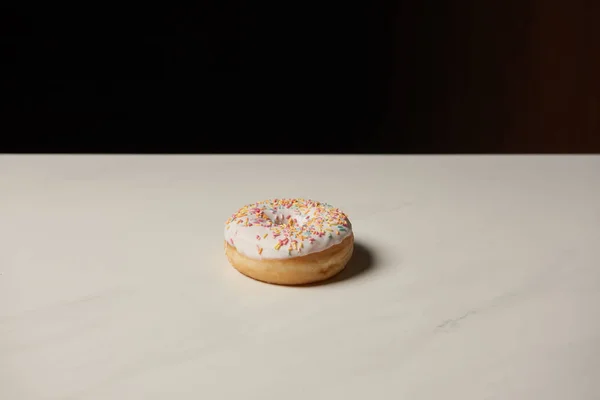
311	268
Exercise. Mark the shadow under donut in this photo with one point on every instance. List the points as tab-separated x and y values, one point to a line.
362	261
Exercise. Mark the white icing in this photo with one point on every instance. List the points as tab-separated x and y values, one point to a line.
266	225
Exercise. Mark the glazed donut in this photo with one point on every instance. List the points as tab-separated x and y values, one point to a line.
289	241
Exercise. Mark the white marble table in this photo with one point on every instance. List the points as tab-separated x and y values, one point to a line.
474	278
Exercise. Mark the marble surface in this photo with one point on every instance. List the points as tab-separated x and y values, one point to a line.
474	278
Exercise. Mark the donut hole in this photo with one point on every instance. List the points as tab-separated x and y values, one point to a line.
287	219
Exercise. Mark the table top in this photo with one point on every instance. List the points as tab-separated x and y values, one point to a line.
474	277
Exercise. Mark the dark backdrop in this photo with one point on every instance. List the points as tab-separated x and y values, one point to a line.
233	77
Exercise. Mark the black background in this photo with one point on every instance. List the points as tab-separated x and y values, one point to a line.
225	77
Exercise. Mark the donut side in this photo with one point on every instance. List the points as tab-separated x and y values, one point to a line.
311	268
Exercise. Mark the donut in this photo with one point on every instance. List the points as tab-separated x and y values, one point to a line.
289	241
